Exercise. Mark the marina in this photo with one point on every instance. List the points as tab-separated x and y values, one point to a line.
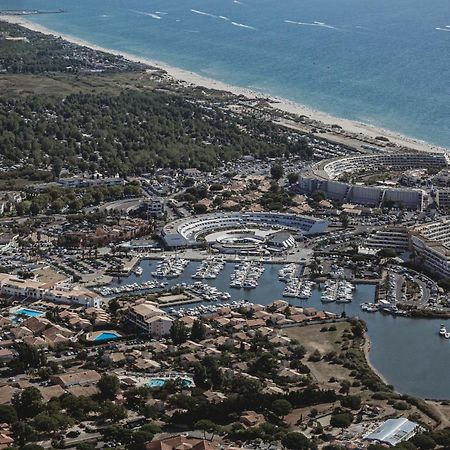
339	291
170	267
296	287
391	335
246	275
210	268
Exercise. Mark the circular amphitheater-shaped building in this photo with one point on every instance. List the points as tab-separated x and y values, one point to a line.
324	177
231	227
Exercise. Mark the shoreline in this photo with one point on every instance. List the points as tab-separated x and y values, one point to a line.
366	349
285	105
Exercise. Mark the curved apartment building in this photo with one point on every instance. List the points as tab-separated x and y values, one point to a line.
185	232
323	177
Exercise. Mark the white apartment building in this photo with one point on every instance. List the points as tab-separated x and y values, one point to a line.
396	238
155	207
431	241
12	286
148	319
184	232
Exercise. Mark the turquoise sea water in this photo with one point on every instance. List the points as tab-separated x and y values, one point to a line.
382	62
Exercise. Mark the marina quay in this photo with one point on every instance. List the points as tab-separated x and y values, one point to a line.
328	177
188	231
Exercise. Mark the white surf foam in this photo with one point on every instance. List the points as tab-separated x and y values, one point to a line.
143	13
312	24
242	25
203	13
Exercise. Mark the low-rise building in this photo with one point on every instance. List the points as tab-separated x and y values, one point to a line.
148	319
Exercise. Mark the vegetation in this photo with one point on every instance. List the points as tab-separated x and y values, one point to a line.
131	133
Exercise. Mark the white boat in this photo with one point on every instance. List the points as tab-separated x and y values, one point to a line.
443	330
138	271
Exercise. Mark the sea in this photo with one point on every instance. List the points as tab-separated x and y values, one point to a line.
408	353
381	62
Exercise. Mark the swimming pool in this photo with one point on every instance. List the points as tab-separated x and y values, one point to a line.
106	336
29	312
160	382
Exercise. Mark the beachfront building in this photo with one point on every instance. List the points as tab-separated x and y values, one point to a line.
325	177
187	232
146	318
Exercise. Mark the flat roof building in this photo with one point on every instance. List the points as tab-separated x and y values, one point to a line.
394	431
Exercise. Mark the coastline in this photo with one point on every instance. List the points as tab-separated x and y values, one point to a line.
366	350
284	105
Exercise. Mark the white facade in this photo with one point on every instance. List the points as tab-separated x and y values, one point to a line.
155	207
36	290
185	232
149	319
395	239
432	242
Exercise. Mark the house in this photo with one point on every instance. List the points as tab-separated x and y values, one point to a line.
181	443
6	394
6	355
50	392
76	378
251	419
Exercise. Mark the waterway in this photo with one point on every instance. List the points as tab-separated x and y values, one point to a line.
409	353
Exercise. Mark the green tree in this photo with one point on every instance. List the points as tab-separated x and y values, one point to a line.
23	433
345	387
45	423
296	441
28	403
276	171
351	401
293	177
343	420
281	407
108	386
423	442
112	412
7	414
139	439
178	332
207	426
200	208
198	331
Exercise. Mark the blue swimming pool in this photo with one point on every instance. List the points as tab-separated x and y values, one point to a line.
106	336
29	312
160	382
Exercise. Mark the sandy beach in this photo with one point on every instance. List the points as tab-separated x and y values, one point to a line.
285	105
